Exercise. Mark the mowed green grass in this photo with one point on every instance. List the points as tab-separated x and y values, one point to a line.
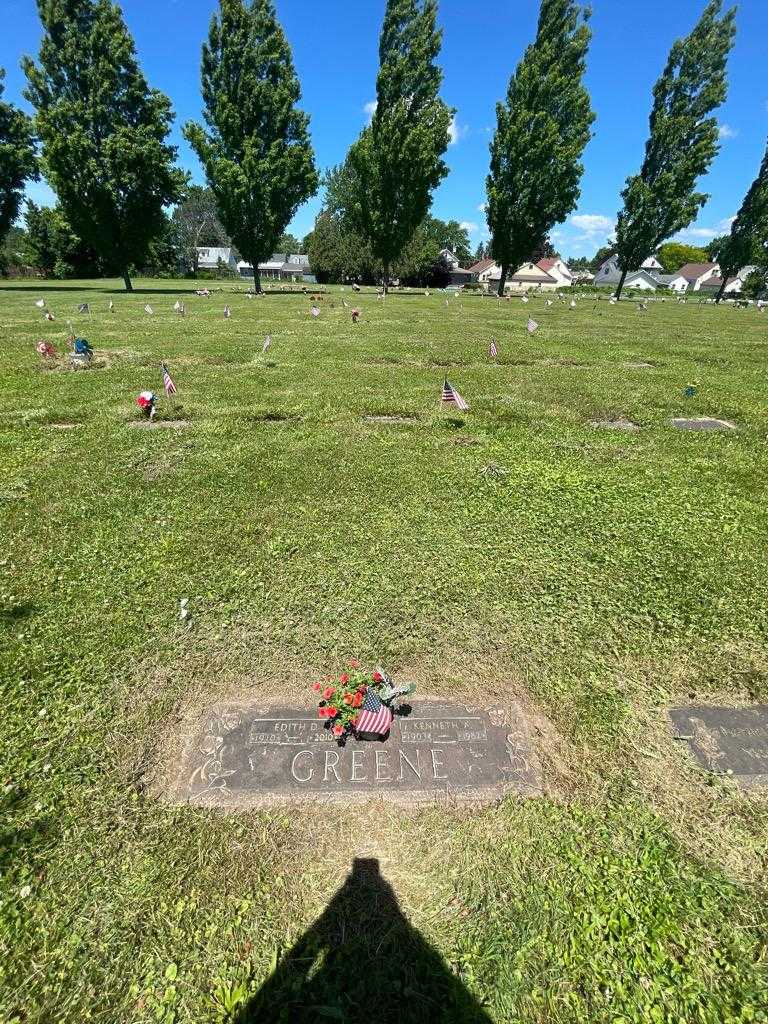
514	551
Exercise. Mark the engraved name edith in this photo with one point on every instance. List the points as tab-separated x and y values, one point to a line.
246	755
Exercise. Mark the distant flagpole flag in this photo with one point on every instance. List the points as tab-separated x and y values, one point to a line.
374	716
451	396
493	350
170	387
532	326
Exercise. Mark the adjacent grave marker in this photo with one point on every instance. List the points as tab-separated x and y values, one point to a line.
703	423
249	756
727	740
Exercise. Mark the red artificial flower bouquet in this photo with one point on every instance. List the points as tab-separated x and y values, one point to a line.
357	701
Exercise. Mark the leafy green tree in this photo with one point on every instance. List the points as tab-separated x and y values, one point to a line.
541	133
756	284
337	253
749	232
194	223
14	253
482	252
580	265
660	200
256	152
102	129
447	234
53	247
17	159
288	243
398	160
674	255
602	254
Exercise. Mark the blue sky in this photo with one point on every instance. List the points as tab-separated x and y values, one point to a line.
335	50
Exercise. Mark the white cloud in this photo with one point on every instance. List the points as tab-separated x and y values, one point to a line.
456	131
725	225
727	132
469	225
370	109
482	207
702	234
593	224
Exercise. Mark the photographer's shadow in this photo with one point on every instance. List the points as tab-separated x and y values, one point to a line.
362	962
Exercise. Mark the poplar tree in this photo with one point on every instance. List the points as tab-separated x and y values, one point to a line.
17	159
256	152
397	161
749	232
103	130
541	132
660	200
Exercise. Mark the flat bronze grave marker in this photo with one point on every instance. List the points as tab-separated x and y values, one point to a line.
246	755
727	740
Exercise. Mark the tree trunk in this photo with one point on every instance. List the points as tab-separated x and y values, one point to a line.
503	279
721	292
386	279
256	278
620	289
127	280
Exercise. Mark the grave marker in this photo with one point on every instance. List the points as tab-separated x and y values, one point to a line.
244	755
727	740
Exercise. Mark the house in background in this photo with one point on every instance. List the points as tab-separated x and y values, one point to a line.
692	276
212	257
609	272
558	269
528	277
712	286
457	275
481	271
281	266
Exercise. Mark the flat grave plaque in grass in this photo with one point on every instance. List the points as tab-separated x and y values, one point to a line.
727	740
245	755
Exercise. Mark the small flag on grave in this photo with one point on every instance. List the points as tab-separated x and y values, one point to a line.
83	308
148	309
493	350
111	306
314	310
532	326
451	396
525	298
573	304
267	343
549	302
374	716
227	312
170	387
40	303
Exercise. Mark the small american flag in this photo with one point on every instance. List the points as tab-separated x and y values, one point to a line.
111	306
148	309
315	310
493	350
170	387
267	343
532	326
40	303
373	716
451	396
83	308
227	312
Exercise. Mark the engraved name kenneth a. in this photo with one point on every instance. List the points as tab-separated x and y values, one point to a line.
368	766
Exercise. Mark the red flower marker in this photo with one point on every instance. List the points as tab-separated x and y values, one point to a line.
338	730
354	664
344	678
316	687
327	693
378	677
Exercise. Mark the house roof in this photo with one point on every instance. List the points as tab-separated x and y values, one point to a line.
634	274
715	282
482	265
548	264
693	271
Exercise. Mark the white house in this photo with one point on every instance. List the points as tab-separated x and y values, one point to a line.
692	276
558	269
526	278
641	280
712	286
281	266
213	257
609	272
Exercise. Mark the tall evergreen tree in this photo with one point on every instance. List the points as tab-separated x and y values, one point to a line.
256	152
682	143
541	133
397	161
103	130
17	159
749	231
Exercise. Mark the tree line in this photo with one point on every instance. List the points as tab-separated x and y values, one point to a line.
99	135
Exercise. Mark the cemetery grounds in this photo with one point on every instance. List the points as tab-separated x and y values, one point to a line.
315	504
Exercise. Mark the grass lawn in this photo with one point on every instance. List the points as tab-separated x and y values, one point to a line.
598	576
